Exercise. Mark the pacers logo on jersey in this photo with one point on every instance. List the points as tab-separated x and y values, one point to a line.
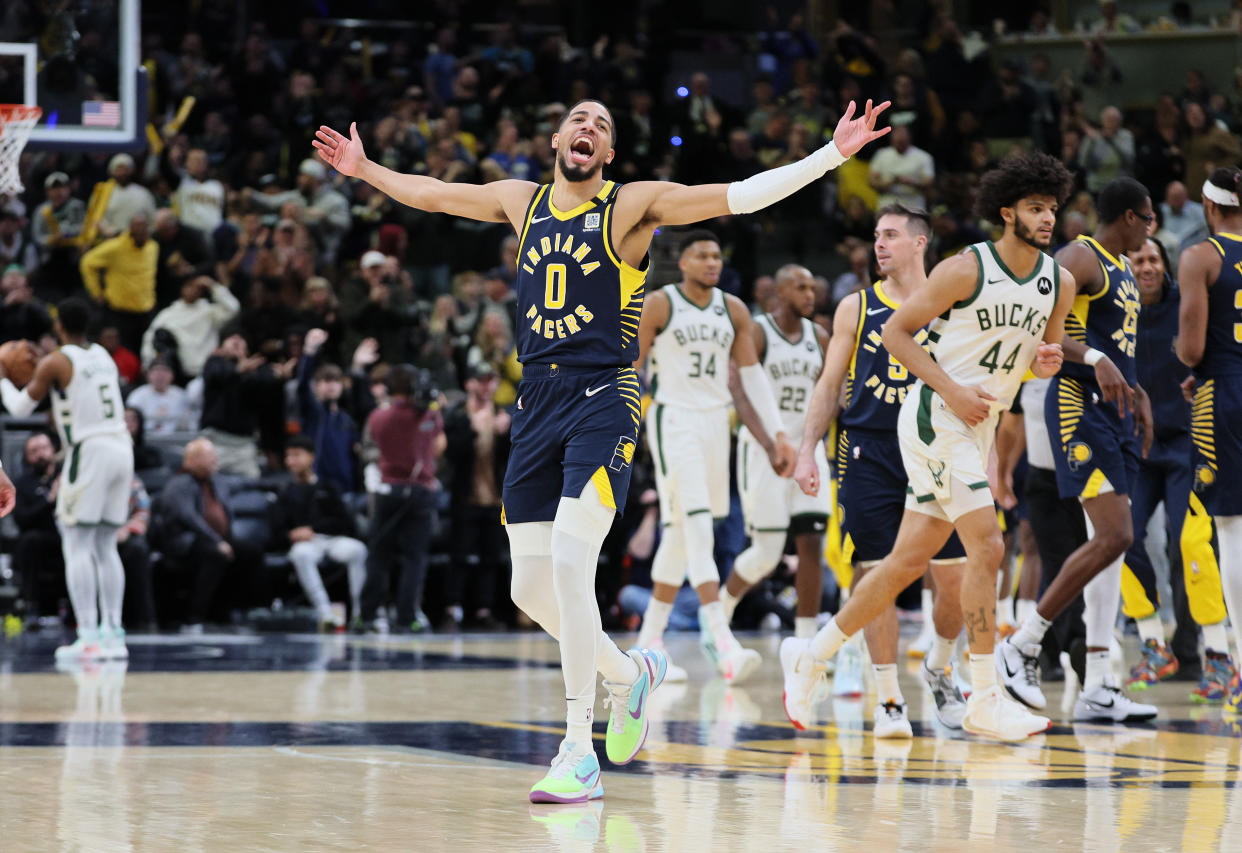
623	455
1205	476
1078	454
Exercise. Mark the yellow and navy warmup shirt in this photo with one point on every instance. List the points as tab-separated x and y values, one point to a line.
579	302
1216	414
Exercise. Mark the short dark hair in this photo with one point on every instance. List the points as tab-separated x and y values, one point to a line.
74	315
1019	177
1118	196
301	442
1229	179
698	235
917	221
612	124
329	373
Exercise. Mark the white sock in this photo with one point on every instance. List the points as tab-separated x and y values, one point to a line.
1032	631
828	641
111	577
728	602
655	620
1216	638
1097	669
804	627
886	688
713	617
1151	628
982	673
1023	610
940	653
578	716
1004	611
928	605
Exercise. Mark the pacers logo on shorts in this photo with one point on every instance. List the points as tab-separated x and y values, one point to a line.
1078	454
623	455
1205	476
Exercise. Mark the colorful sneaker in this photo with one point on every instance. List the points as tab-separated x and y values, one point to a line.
628	723
1218	672
675	674
112	644
1233	702
573	778
85	647
1157	664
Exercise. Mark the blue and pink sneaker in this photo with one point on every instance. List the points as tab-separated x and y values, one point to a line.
627	723
573	778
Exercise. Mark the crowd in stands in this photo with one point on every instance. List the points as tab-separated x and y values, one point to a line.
292	322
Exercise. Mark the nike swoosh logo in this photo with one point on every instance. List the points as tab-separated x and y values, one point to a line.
995	280
1103	705
591	392
584	779
1010	672
535	220
1110	268
642	697
873	311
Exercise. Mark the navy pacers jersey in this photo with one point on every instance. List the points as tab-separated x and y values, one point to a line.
579	302
1108	320
1222	350
876	383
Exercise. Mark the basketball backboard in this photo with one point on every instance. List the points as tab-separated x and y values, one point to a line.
79	60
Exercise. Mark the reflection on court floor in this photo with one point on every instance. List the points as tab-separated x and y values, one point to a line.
236	742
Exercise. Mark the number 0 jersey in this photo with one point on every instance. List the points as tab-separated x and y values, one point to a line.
990	338
579	302
91	404
1108	320
1222	350
876	383
690	355
792	368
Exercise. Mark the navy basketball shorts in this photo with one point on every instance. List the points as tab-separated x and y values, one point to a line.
1098	451
1216	430
573	426
871	494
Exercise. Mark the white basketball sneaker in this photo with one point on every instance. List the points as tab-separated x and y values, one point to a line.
112	644
801	675
1018	669
85	647
735	662
992	714
675	674
950	704
848	679
891	720
1107	703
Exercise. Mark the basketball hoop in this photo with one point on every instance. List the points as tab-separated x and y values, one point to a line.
16	122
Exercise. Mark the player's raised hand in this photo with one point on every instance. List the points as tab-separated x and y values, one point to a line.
1113	386
1048	360
853	133
344	155
806	474
970	403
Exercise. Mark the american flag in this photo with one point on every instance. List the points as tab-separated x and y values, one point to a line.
101	113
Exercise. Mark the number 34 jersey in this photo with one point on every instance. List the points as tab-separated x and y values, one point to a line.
691	353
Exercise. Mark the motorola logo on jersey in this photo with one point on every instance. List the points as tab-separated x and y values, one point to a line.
1045	285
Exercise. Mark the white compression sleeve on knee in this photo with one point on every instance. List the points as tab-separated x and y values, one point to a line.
757	562
530	551
18	403
77	544
669	564
1229	532
767	188
1101	597
759	392
700	545
111	577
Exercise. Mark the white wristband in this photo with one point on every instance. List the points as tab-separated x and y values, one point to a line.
18	403
759	392
1092	357
767	188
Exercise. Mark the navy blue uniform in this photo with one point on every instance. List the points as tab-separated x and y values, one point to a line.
1216	419
1097	446
871	481
577	338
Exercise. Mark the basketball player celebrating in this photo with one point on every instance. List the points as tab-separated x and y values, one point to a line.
92	503
1210	340
791	349
995	310
580	280
1093	405
692	331
871	482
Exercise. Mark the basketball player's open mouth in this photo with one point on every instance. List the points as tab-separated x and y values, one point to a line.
581	150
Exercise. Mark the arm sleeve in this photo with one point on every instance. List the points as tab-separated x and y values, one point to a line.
767	188
759	392
18	403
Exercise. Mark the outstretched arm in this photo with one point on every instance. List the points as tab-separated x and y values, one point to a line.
498	201
826	397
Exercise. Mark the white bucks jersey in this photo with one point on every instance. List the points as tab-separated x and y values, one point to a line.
91	405
990	338
690	355
792	368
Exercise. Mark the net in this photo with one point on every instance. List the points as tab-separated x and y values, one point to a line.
16	122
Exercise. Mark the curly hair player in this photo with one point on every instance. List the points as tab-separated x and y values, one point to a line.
994	311
582	267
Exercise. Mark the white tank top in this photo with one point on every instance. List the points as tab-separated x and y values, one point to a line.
92	404
690	355
792	368
990	338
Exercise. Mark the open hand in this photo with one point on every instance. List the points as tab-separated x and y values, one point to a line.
315	339
854	133
344	155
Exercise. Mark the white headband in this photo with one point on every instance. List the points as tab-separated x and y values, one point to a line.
1221	196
